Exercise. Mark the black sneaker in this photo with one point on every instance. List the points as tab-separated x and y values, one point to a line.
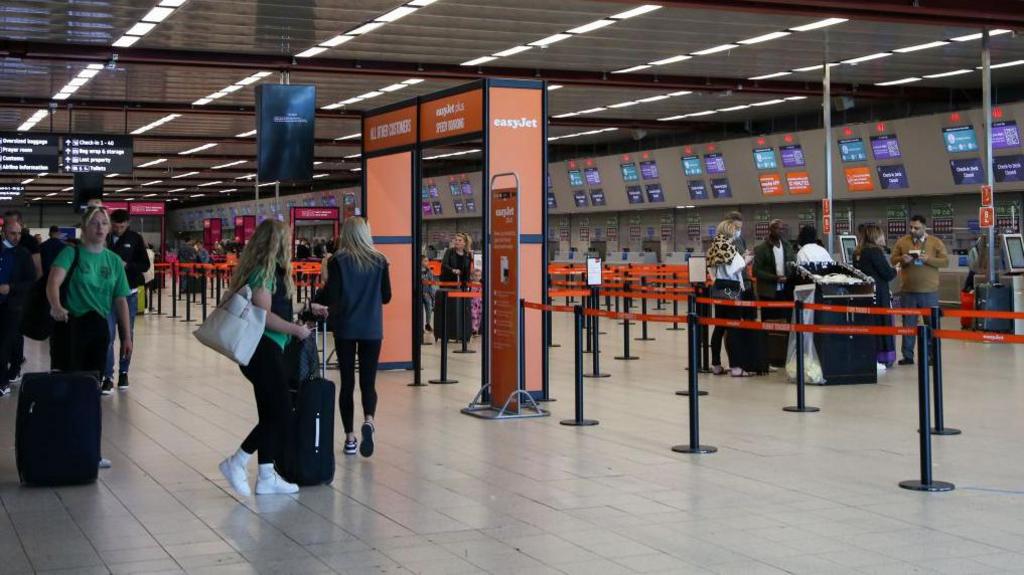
15	377
366	447
122	382
350	447
906	361
108	386
5	390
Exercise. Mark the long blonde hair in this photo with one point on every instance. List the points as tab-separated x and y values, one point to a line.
355	241
269	248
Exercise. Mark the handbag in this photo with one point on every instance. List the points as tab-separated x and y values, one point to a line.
36	321
234	328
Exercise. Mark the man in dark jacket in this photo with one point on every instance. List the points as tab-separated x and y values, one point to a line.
17	274
130	246
771	266
28	243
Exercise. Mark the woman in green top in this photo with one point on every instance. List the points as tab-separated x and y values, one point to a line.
97	284
264	266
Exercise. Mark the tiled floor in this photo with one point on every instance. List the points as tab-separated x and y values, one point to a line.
451	494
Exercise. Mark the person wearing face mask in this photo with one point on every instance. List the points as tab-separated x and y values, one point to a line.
920	257
771	262
131	248
728	265
17	274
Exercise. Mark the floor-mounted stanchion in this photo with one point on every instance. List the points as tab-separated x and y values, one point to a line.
174	291
596	335
659	303
202	300
926	482
692	307
626	356
578	420
693	349
219	274
549	332
801	399
460	322
675	306
189	299
643	311
588	326
705	333
443	379
940	418
160	292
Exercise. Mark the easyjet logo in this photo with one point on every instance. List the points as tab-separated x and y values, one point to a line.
515	123
505	212
449	109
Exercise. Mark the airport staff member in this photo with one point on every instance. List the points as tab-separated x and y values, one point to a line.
919	257
771	262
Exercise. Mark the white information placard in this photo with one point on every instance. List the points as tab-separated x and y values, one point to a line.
594	271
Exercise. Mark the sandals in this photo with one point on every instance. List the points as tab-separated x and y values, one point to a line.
718	370
740	373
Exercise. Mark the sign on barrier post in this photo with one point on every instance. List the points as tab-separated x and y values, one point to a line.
926	482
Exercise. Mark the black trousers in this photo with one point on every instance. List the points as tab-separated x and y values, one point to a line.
266	371
10	334
80	344
369	354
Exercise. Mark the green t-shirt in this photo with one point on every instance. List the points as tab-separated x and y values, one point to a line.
256	281
98	279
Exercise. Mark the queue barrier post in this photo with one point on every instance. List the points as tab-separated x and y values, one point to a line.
801	399
549	328
693	348
692	307
203	298
219	274
926	482
675	308
160	292
643	311
460	322
595	299
626	356
578	420
443	379
588	326
940	427
174	291
188	301
659	303
705	333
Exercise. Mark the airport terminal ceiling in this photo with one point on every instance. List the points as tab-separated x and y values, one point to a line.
179	75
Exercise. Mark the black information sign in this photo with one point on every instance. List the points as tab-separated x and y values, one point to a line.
102	154
10	191
28	153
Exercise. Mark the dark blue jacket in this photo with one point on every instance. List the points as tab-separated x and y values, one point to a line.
356	298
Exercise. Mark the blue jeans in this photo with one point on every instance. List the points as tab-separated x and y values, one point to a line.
912	300
124	362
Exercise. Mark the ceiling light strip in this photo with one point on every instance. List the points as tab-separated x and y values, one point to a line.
156	15
365	28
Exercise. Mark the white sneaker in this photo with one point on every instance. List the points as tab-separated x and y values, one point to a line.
881	368
105	463
235	473
274	485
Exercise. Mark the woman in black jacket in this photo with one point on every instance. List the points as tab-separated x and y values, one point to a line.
455	267
869	257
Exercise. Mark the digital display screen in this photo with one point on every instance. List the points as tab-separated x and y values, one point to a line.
467	188
1009	168
853	150
1015	252
28	153
437	208
580	199
597	197
634	194
649	170
654	194
771	184
698	189
714	163
799	183
720	188
967	171
432	191
575	178
1005	135
454	189
427	210
629	172
885	147
792	156
470	205
458	206
592	176
103	154
286	121
425	193
691	166
552	202
764	159
858	179
960	139
892	177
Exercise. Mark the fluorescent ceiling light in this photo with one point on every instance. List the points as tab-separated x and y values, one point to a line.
868	58
68	189
51	194
554	87
592	110
125	41
680	93
638	11
232	88
196	195
595	25
246	177
624	104
246	134
654	99
813	68
175	190
394	87
795	98
317	163
229	190
172	3
368	27
412	81
970	37
149	195
512	51
349	157
197	149
948	74
671	60
311	52
551	40
734	108
213	183
152	163
480	60
670	118
95	66
202	102
767	76
122	190
318	176
158	14
397	13
909	49
764	38
337	41
769	102
1007	64
111	175
633	69
698	114
350	136
154	182
567	115
333	106
185	175
28	181
716	49
62	96
421	3
898	82
229	164
274	183
369	95
819	24
140	29
88	73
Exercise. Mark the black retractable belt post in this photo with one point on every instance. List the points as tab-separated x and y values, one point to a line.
549	328
203	298
705	333
160	293
801	400
926	483
444	343
174	291
461	323
588	325
595	333
692	308
643	311
660	280
940	427
693	349
219	274
625	335
675	305
579	420
188	303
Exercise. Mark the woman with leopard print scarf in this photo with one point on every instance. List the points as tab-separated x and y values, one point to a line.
727	266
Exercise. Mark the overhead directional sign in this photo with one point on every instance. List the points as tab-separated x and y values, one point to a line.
103	154
28	153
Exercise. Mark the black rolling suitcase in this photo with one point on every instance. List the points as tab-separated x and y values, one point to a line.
994	297
57	432
308	457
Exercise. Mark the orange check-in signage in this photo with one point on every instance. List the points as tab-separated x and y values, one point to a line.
390	130
451	116
771	184
986	196
858	179
799	183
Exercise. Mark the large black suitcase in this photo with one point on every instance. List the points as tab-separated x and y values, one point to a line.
57	432
994	297
308	455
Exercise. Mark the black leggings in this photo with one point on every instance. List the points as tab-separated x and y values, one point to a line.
80	344
369	353
266	372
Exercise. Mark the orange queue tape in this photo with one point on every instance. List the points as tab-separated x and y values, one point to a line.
542	307
809	328
979	336
746	303
643	295
635	316
569	293
868	310
465	294
983	314
441	284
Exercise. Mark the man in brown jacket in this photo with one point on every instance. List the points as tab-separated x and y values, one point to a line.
919	257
